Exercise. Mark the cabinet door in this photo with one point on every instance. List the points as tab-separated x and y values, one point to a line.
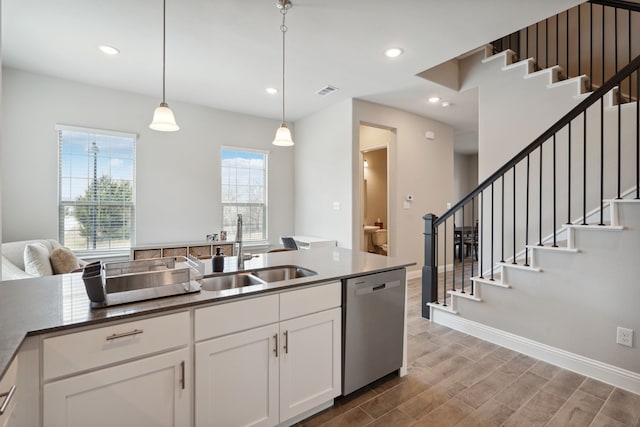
237	379
149	392
310	366
8	387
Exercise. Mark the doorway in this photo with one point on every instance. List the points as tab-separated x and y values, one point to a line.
374	152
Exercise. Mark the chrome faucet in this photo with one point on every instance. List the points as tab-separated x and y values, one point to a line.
239	242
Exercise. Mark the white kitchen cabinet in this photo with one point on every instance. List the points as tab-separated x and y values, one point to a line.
237	379
310	363
153	391
274	372
135	373
8	386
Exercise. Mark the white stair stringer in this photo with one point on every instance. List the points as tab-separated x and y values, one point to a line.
570	304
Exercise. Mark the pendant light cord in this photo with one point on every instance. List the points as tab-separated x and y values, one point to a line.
283	28
164	44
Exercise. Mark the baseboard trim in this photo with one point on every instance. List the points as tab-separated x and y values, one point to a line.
414	274
604	372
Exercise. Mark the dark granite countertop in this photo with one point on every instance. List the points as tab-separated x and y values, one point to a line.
47	304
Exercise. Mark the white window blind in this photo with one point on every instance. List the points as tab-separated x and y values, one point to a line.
96	190
244	191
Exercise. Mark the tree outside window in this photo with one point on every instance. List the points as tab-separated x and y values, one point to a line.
96	188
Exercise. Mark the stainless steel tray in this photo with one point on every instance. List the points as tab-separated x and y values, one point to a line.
140	280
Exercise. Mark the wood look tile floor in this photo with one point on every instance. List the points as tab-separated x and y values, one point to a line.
458	380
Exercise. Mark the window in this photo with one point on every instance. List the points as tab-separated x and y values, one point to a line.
244	191
96	189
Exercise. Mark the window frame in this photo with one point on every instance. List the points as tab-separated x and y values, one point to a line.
97	253
265	205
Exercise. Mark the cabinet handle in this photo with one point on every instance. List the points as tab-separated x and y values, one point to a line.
275	349
7	398
286	342
182	377
124	334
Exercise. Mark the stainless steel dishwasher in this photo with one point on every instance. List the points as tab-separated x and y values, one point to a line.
373	319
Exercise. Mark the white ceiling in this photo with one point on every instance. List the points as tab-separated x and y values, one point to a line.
224	54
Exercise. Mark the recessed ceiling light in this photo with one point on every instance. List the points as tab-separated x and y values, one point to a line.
109	50
394	52
434	99
445	104
271	90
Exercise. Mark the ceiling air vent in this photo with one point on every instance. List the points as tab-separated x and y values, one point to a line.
327	90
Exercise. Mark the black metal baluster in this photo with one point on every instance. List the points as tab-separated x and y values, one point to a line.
591	50
474	239
526	227
455	256
615	38
502	223
620	137
546	43
557	41
461	251
579	40
514	215
604	56
566	34
637	134
492	222
444	284
569	175
540	208
481	240
526	48
601	161
537	44
554	192
584	168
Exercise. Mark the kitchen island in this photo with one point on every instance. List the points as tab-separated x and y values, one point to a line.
49	309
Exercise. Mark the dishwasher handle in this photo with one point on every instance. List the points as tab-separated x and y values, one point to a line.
370	289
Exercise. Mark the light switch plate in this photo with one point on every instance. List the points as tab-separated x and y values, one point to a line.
336	206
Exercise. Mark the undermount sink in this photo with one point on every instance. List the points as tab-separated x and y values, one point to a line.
230	281
277	274
256	277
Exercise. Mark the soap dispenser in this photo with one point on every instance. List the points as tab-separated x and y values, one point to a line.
218	261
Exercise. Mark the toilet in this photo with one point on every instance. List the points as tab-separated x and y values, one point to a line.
380	241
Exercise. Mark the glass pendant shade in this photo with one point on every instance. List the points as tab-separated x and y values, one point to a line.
283	136
163	119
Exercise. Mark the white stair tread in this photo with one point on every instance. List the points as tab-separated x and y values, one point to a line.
594	227
501	55
551	72
519	267
572	80
488	281
526	63
441	307
465	295
623	201
556	249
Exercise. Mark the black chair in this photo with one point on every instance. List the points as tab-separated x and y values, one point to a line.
289	243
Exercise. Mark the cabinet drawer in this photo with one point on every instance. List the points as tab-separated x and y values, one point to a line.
310	300
8	391
236	316
89	349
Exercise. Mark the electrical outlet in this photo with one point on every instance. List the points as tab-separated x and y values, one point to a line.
625	336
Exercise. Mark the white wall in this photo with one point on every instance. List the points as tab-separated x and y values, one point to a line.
465	179
177	174
417	166
323	170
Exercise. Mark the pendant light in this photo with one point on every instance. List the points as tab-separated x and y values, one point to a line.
283	134
163	119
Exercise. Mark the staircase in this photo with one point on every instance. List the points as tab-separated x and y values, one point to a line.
559	229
